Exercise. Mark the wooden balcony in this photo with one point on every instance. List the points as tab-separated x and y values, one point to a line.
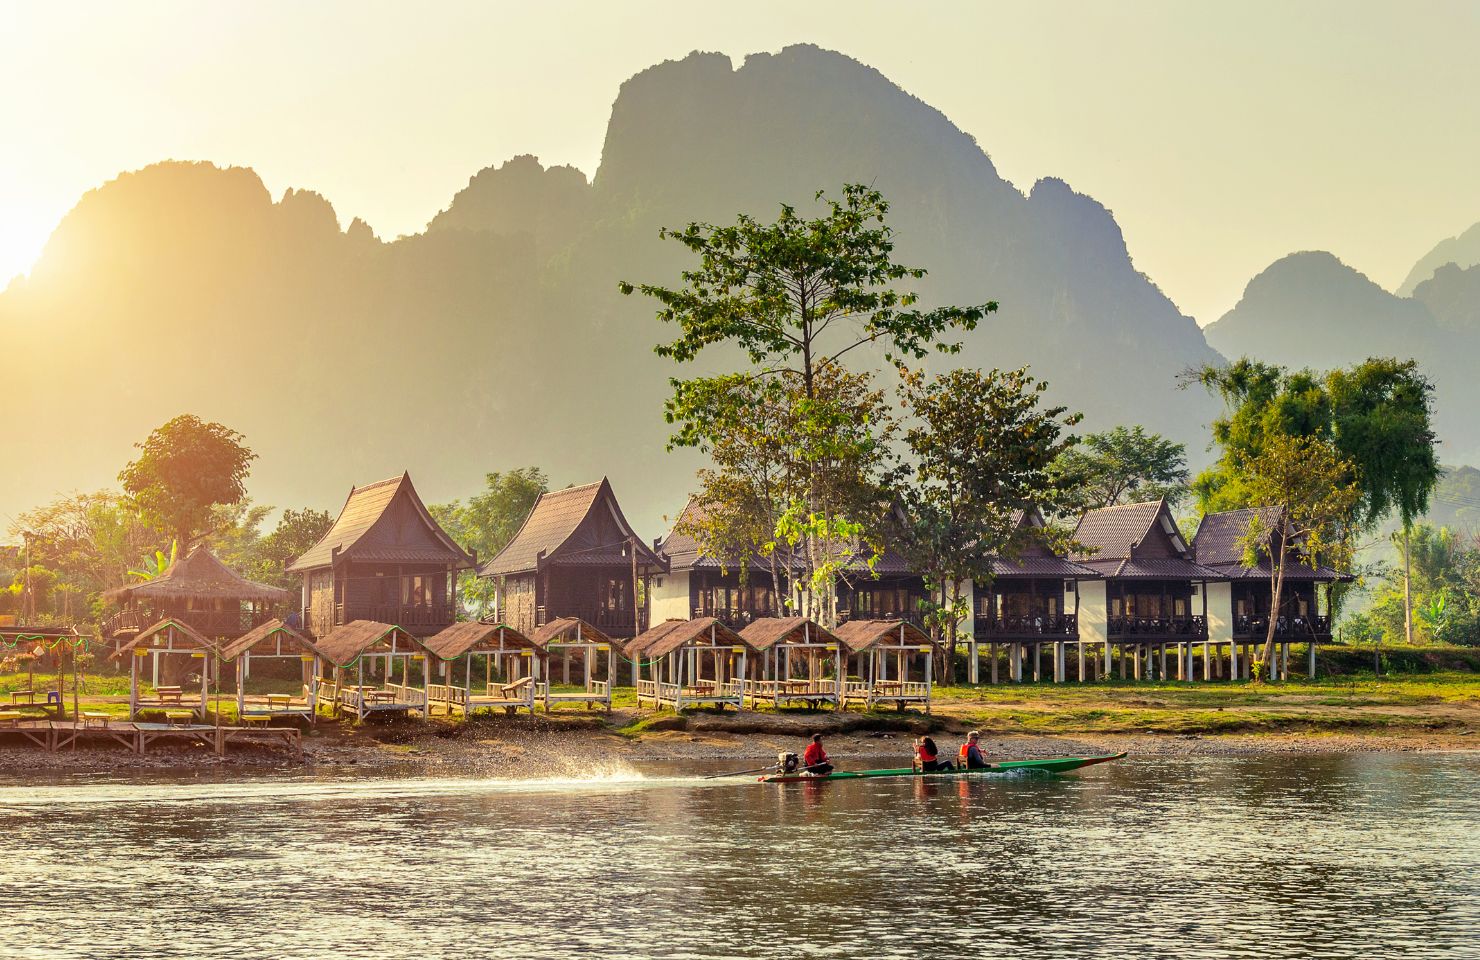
422	619
1061	627
614	623
209	623
1156	629
1285	628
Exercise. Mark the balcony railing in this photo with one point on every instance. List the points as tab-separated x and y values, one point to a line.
1158	628
911	616
1285	628
408	615
614	623
1026	628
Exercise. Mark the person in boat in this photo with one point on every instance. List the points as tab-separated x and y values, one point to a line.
927	757
814	759
971	753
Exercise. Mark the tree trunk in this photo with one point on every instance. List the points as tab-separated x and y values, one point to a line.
1274	612
1407	589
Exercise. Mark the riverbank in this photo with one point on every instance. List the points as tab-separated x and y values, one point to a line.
1416	713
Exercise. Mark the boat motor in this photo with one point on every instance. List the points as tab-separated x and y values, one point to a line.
788	762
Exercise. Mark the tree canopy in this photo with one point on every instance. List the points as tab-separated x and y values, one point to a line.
186	468
1123	465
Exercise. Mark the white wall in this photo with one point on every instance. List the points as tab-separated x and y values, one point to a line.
1094	620
670	600
1220	612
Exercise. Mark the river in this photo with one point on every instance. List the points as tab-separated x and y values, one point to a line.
1360	855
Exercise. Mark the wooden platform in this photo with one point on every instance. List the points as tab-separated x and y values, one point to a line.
54	735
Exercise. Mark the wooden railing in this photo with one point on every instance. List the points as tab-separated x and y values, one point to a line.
408	615
614	623
1285	628
1158	628
1009	628
209	623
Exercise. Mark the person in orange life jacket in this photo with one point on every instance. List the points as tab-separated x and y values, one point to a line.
927	757
971	753
815	759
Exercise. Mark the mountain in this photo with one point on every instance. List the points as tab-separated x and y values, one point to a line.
497	338
1311	310
1463	251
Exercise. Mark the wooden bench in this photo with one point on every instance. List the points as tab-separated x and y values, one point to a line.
10	718
90	717
509	690
17	695
177	718
169	694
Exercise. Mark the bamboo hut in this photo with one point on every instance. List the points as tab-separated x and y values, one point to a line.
888	656
798	662
690	663
510	669
573	638
274	640
198	591
170	639
390	670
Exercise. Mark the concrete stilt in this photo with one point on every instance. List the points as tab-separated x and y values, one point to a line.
1122	662
992	653
1310	660
1207	661
1138	668
1081	661
1060	672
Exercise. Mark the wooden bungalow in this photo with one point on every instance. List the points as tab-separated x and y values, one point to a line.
376	668
890	590
694	584
274	641
174	640
385	560
1240	606
887	656
690	663
573	639
197	590
1030	602
797	662
505	661
1155	595
575	556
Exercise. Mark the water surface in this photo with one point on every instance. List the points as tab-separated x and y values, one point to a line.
1325	856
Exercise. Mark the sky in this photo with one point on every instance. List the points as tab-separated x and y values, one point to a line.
1222	136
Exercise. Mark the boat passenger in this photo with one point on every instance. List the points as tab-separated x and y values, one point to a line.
971	753
815	759
927	757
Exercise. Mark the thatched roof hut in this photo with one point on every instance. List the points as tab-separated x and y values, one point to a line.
200	575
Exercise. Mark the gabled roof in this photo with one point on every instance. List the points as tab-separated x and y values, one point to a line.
579	526
670	635
682	551
1035	559
860	635
260	634
176	631
200	575
1218	546
460	638
765	633
372	527
1137	541
568	628
343	645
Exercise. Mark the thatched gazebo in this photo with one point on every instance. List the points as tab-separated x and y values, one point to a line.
572	637
376	652
274	640
886	654
197	590
690	663
800	662
169	638
510	669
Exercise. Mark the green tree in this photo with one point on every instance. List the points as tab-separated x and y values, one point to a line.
981	449
795	297
186	468
1318	492
296	531
1123	465
487	522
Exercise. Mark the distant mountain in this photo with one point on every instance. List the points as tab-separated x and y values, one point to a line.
497	338
1311	310
1463	251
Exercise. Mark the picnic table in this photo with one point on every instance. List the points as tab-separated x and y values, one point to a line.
279	701
179	718
169	694
91	717
380	696
28	695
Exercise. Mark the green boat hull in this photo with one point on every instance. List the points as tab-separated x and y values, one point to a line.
1051	765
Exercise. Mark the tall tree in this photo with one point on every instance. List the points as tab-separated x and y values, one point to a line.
186	468
981	449
296	531
795	297
1122	465
1319	493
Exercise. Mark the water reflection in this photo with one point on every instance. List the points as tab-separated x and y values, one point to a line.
1338	856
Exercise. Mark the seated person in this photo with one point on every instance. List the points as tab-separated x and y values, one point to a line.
927	757
815	759
971	753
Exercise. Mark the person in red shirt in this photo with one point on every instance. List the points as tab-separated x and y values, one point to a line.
815	759
927	757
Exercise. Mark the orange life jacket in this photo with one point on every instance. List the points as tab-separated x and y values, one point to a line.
965	749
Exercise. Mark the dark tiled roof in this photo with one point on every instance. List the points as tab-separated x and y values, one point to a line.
200	575
1112	532
1153	568
1217	546
766	632
551	530
263	634
859	635
360	533
1030	567
458	639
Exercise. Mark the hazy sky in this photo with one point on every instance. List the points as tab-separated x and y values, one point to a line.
1222	136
